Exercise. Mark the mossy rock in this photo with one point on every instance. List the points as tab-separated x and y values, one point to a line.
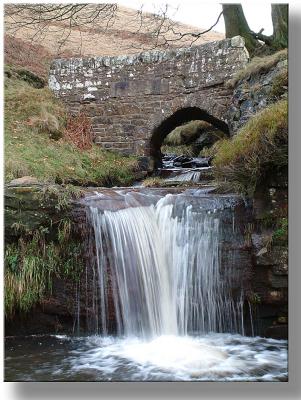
27	208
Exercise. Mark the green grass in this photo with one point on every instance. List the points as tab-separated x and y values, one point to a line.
258	150
258	65
34	121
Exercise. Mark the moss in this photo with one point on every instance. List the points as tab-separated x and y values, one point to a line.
258	65
33	117
280	235
258	150
254	298
62	195
186	133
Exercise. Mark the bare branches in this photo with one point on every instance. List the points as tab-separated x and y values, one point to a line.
74	24
194	35
36	20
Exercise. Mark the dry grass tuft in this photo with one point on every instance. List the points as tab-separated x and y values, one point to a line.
258	65
155	181
48	123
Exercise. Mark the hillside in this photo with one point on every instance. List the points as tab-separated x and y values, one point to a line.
128	33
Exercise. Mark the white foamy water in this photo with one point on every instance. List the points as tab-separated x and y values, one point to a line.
213	357
210	357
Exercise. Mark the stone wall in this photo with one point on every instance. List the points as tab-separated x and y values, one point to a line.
128	97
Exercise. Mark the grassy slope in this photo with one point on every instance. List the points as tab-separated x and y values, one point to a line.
29	149
259	149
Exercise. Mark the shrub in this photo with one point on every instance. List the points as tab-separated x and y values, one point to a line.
258	149
79	131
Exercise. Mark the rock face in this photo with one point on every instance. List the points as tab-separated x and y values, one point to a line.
135	101
254	93
270	262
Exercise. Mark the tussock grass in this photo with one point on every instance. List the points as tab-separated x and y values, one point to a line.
280	84
48	123
258	65
32	116
27	274
259	149
32	262
187	133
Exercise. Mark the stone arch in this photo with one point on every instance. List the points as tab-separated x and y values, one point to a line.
178	118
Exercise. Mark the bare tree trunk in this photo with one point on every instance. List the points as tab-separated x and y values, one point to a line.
280	26
236	24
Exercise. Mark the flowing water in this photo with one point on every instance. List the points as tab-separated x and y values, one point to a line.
188	175
178	308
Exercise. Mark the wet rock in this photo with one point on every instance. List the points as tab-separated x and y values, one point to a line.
278	281
280	269
170	161
277	332
277	255
196	163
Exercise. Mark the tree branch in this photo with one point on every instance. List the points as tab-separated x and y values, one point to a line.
259	36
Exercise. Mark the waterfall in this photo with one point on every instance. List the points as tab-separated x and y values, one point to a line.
193	176
160	262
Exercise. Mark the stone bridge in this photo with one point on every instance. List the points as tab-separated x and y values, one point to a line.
135	101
